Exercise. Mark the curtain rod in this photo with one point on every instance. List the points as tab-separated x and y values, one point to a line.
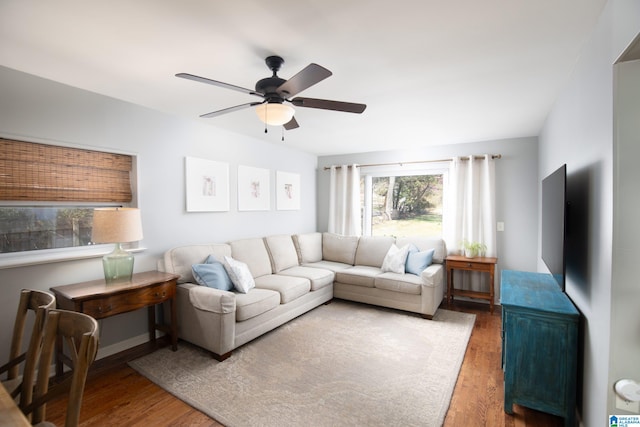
493	156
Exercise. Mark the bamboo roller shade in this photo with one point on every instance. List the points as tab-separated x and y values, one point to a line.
41	172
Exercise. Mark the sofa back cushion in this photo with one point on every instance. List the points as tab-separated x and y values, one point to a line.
338	248
180	260
282	252
309	247
252	252
372	250
426	243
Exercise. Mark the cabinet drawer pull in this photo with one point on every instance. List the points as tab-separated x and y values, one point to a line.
469	264
108	308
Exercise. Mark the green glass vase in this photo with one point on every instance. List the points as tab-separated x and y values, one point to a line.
118	265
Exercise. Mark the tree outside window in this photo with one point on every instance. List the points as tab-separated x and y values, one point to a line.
35	228
406	205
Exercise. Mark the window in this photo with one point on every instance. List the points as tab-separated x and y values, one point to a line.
28	228
403	204
48	193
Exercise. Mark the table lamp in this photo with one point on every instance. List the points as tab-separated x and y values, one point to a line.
117	225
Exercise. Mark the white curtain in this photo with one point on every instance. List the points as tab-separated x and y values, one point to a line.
344	200
470	211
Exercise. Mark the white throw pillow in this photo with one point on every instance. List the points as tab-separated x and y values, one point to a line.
240	275
395	259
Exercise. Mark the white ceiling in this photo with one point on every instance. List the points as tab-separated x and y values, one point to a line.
431	72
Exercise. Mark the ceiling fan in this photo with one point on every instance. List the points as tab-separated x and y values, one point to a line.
276	94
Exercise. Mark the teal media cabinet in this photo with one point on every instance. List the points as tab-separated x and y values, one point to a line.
539	344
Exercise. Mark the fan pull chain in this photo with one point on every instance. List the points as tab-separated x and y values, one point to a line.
266	117
283	134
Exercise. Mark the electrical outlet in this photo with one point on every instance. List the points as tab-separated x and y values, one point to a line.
500	226
627	405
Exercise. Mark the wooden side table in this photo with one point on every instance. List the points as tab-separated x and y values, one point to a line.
481	264
99	300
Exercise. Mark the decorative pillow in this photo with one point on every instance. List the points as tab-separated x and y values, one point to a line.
418	260
395	259
213	275
239	274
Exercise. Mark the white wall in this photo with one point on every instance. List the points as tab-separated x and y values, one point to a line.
39	110
579	132
516	192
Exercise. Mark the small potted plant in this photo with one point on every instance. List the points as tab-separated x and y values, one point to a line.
473	249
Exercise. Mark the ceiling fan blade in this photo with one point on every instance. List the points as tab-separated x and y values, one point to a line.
230	110
291	124
217	83
310	75
325	104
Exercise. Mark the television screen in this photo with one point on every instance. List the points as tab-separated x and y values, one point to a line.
553	230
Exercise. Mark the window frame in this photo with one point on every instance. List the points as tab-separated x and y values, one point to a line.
435	168
44	256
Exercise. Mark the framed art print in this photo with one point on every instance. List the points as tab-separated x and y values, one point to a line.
207	185
287	191
253	189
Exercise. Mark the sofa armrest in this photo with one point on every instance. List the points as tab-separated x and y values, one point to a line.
210	299
432	276
432	289
206	317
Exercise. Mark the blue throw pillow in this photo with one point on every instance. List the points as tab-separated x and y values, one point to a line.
418	260
212	275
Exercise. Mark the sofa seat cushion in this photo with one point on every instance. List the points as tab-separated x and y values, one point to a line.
405	283
359	275
289	287
328	265
255	302
319	277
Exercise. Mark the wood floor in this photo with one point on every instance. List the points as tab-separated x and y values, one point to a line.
116	395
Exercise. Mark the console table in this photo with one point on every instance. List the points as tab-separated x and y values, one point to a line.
539	344
481	264
99	300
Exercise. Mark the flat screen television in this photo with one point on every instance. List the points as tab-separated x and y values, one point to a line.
554	223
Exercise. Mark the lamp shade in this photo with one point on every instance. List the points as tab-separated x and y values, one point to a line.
275	114
116	225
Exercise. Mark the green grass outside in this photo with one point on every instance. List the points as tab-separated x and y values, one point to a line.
422	225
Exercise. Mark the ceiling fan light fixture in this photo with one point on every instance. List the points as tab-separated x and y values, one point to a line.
275	114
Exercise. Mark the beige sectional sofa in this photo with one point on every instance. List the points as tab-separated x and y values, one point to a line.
357	264
292	275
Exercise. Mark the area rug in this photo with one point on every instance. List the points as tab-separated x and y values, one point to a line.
341	364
